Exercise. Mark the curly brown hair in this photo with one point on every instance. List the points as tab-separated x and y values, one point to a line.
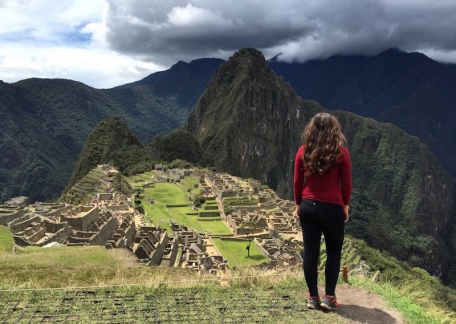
323	139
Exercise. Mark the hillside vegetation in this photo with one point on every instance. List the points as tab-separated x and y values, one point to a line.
112	142
408	90
45	122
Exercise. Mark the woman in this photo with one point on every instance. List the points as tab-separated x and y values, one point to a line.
322	190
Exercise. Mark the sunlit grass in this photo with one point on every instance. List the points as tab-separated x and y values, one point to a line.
6	240
236	253
171	194
79	266
409	299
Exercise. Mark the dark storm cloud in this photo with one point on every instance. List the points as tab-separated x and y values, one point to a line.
166	31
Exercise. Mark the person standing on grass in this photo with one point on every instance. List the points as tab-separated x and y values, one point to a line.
322	190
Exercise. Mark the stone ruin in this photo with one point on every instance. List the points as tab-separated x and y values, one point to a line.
152	245
42	224
199	252
107	221
20	201
281	253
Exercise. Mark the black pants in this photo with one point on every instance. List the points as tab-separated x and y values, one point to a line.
316	218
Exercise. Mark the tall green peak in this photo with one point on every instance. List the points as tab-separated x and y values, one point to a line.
111	141
246	120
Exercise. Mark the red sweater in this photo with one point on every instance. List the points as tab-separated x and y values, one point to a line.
334	186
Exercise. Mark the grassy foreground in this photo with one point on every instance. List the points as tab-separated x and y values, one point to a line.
113	287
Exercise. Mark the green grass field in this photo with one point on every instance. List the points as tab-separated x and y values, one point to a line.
6	240
169	194
191	183
236	253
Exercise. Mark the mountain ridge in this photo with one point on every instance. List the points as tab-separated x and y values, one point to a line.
50	119
63	112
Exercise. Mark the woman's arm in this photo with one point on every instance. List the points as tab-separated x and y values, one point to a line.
299	177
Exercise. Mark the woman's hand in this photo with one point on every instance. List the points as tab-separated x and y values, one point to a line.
346	207
296	213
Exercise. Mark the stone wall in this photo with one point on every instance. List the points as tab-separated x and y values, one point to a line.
58	212
117	207
251	208
209	213
174	249
59	236
83	222
159	249
80	240
52	227
249	231
130	233
124	236
262	249
268	206
105	233
19	225
37	235
170	252
106	196
9	215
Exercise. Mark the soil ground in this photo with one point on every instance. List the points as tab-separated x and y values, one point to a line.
361	306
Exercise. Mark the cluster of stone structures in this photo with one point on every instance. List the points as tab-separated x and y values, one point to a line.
198	251
44	223
110	221
273	227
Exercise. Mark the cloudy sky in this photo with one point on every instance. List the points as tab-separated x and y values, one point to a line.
104	43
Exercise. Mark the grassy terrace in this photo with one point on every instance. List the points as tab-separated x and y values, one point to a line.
236	254
82	192
139	179
203	304
166	193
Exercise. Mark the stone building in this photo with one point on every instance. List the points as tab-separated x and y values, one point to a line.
20	201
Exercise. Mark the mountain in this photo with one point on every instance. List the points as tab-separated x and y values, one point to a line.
179	144
249	121
183	82
408	90
111	142
45	122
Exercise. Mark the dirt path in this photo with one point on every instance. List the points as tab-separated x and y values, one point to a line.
360	306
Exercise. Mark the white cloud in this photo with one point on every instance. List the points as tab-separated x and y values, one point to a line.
104	43
191	16
64	39
94	67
